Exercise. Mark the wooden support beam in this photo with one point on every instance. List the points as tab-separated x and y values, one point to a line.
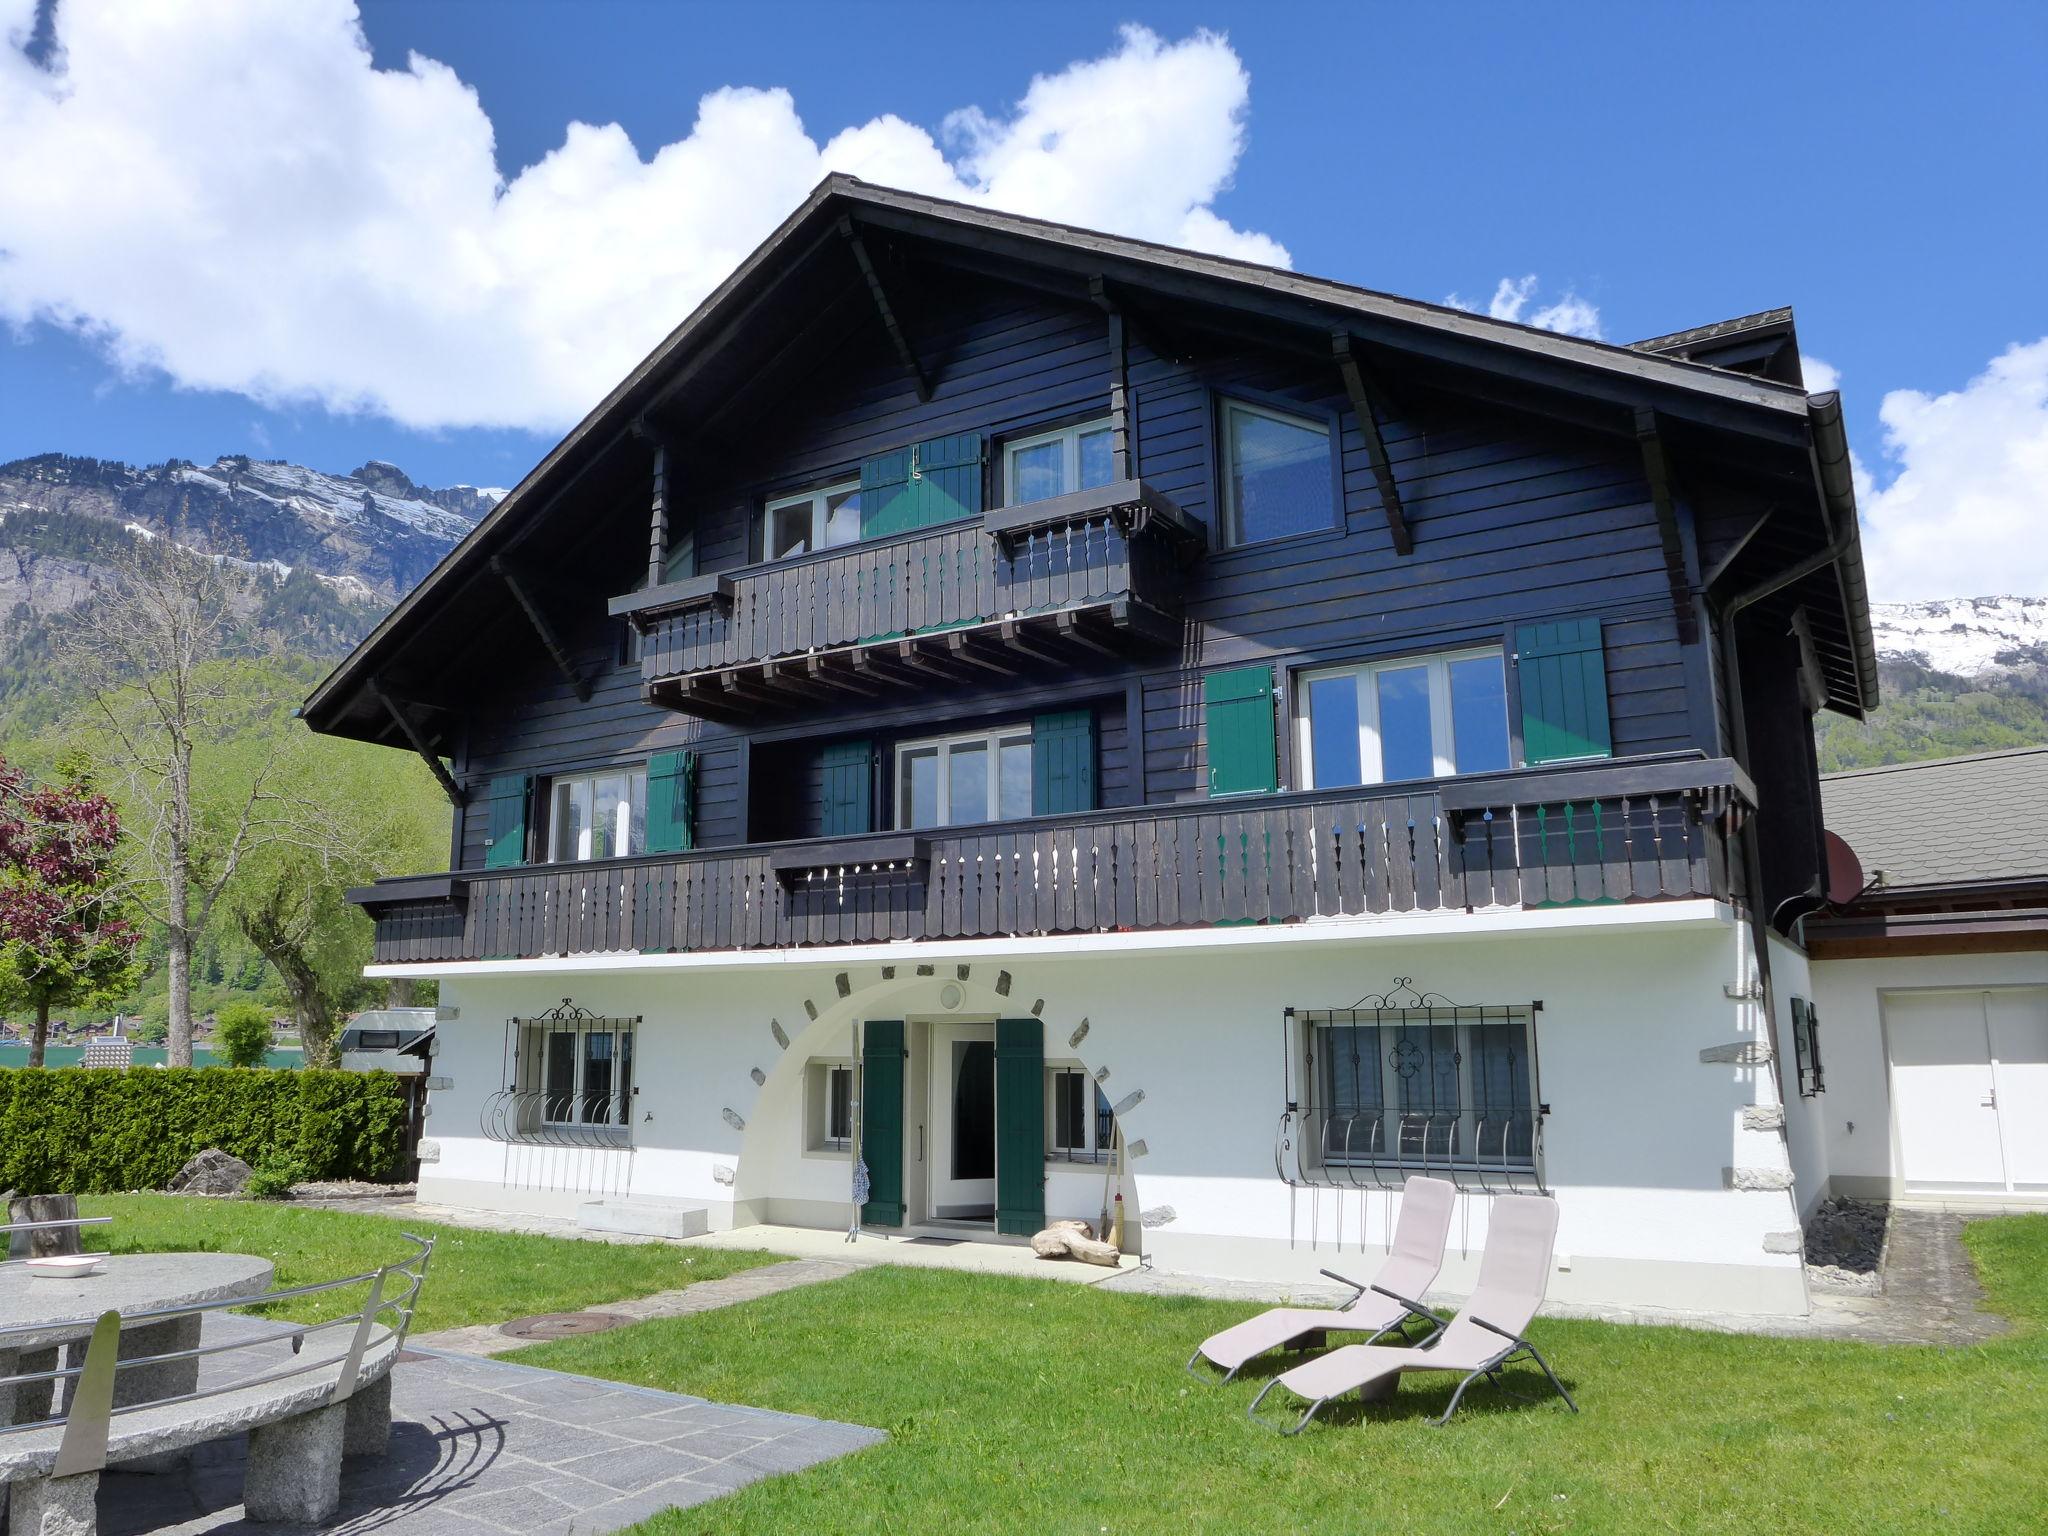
904	351
1072	628
741	688
657	529
836	671
793	675
418	740
542	627
1164	340
885	668
1015	637
919	653
1123	449
1362	406
960	648
1657	470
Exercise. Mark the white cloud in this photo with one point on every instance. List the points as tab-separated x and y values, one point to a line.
1963	511
1820	377
1568	313
232	194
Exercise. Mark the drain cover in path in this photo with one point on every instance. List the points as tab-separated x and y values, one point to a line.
561	1325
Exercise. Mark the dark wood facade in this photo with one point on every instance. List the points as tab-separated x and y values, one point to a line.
1465	511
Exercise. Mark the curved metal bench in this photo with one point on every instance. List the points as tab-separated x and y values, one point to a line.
301	1418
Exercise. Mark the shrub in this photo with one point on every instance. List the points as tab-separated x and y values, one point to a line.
242	1034
70	1130
274	1177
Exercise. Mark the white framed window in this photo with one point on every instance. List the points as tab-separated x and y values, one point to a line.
1277	479
1424	1087
1418	717
578	1076
1079	1127
952	781
812	520
597	815
1050	464
828	1105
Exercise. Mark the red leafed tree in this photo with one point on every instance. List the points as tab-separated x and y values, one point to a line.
65	941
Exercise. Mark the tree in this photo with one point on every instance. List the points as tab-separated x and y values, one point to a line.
154	648
65	939
244	1034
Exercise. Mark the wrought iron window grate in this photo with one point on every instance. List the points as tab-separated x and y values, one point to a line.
568	1081
1411	1082
1806	1048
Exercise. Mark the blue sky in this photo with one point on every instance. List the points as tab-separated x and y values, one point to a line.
1878	167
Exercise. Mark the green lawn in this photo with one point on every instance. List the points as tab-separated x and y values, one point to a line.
474	1277
1022	1405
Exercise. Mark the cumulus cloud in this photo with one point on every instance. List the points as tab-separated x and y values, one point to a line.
233	195
1568	313
1966	498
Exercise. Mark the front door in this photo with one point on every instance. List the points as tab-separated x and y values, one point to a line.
1970	1089
963	1121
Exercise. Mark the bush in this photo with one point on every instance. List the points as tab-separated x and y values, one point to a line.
70	1130
242	1034
274	1177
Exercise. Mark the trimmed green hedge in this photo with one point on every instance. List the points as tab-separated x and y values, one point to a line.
71	1130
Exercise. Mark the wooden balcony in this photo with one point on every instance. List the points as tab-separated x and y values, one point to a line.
1018	590
1649	830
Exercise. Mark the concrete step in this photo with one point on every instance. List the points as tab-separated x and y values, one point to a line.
644	1217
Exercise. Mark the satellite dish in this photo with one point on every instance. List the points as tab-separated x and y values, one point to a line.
1845	871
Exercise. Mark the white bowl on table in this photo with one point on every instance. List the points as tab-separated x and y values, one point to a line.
66	1266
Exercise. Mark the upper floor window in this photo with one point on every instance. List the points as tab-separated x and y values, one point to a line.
958	780
820	519
1420	717
1276	474
1056	463
598	815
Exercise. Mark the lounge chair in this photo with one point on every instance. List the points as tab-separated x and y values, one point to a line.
1486	1335
1377	1309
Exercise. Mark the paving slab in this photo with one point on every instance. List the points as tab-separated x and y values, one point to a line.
478	1448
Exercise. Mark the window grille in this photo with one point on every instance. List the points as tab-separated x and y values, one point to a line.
568	1081
1411	1082
1806	1048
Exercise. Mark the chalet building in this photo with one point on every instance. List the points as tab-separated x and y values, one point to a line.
990	716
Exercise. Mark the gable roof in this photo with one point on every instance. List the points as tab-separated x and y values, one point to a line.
1953	821
1527	364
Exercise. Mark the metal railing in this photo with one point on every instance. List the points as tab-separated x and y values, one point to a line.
87	1418
532	1118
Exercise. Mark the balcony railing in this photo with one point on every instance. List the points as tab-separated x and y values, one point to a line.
1100	568
1651	830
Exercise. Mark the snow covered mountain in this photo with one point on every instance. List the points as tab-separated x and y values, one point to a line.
1967	637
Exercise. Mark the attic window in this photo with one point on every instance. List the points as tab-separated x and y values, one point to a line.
1276	474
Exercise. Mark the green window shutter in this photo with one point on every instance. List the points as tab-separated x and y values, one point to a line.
885	499
1063	762
1020	1126
849	789
505	827
946	478
881	1120
671	802
1239	707
1563	675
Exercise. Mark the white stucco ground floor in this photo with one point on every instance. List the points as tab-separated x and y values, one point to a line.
1255	1095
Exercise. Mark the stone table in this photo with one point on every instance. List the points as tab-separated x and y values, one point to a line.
41	1312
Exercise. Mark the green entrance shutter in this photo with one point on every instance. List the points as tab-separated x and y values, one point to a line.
1020	1126
934	482
849	789
671	802
1563	675
881	1120
885	494
1063	762
505	825
1239	707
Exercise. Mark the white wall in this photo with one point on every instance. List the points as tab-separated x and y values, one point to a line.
1638	1147
1805	1119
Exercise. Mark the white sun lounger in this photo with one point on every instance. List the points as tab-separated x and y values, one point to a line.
1378	1308
1521	1234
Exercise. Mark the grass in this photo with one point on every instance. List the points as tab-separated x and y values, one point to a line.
474	1277
1028	1405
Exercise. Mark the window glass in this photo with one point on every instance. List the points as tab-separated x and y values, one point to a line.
842	516
1038	472
789	529
1016	776
1055	463
967	775
611	817
598	816
1278	474
1479	714
920	799
1070	1127
597	1078
1097	465
559	1094
839	1106
1406	749
796	525
1333	706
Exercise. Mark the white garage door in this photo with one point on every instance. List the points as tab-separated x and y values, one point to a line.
1970	1089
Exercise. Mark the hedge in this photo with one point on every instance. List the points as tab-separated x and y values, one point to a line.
74	1130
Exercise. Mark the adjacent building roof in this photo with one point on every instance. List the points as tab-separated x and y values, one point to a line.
1955	821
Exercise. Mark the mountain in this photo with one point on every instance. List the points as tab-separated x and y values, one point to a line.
320	557
1957	675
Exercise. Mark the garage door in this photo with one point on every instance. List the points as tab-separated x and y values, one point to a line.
1969	1075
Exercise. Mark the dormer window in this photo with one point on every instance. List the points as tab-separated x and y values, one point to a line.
819	519
1055	463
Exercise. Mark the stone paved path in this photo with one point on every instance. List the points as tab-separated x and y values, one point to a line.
490	1448
704	1296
